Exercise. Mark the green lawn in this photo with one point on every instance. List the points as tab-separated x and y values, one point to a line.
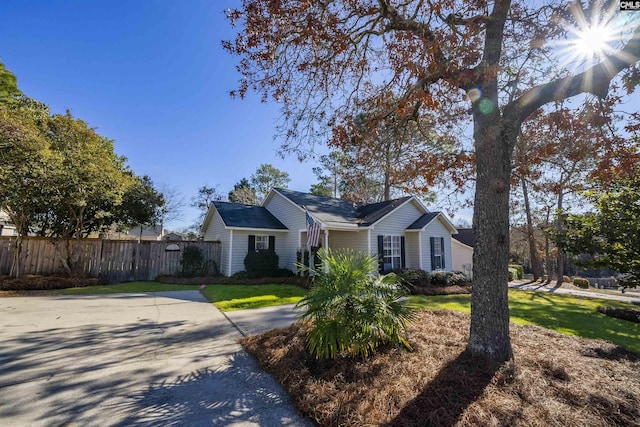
562	313
129	287
240	297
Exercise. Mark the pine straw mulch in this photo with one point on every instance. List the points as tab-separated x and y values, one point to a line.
554	380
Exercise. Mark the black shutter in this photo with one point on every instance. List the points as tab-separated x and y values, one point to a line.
272	243
442	252
433	259
380	253
252	243
402	252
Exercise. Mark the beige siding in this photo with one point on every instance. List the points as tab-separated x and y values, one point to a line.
294	219
462	255
395	225
348	239
216	232
412	252
436	229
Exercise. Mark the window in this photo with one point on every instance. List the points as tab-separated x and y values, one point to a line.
391	252
437	255
262	242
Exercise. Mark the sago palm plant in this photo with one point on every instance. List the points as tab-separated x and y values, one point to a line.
351	308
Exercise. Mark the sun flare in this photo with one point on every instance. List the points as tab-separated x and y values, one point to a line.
593	41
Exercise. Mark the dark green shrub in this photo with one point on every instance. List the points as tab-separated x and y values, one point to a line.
262	263
581	283
413	277
513	273
352	309
458	278
449	278
519	271
629	314
42	283
193	264
240	275
439	278
628	281
284	272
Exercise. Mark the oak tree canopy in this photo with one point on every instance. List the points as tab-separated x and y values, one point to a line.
494	63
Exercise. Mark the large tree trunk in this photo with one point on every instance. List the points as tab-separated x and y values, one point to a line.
489	334
559	230
15	270
533	247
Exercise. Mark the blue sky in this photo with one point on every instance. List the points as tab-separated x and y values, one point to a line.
152	76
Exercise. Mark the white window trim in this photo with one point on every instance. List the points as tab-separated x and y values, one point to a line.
437	244
397	256
264	239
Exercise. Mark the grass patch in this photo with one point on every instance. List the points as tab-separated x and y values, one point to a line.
562	313
129	287
241	297
554	379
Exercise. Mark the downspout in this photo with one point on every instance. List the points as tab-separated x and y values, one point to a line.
230	249
420	250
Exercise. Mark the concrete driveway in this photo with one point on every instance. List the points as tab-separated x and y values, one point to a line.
163	359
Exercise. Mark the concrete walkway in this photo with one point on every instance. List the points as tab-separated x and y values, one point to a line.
254	321
130	359
630	297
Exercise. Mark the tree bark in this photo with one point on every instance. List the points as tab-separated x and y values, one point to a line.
559	230
533	248
489	333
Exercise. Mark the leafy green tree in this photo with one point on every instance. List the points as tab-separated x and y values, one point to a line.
243	193
88	183
202	201
267	177
26	163
321	188
611	233
8	85
351	308
330	174
141	205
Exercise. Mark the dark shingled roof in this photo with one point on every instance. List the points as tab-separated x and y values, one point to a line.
330	209
247	216
466	236
423	220
368	214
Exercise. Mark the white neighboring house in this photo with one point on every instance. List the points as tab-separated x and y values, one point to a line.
6	227
462	251
401	232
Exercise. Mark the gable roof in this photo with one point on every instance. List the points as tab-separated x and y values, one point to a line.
330	210
425	219
247	216
465	236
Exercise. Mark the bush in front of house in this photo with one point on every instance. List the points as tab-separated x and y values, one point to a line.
351	309
193	264
581	282
413	277
262	263
449	278
513	273
519	271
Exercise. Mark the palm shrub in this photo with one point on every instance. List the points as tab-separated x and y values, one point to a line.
351	309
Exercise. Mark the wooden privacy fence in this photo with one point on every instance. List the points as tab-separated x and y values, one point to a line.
117	260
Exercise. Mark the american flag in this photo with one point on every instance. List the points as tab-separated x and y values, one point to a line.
313	232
